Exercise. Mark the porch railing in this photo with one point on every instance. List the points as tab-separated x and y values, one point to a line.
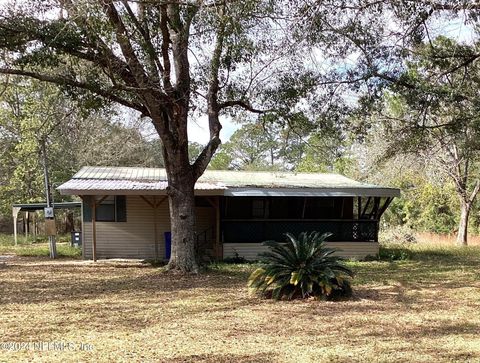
244	231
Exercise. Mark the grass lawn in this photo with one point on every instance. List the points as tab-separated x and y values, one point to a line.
37	246
424	308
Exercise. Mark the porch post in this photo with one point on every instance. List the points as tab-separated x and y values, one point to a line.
94	229
359	207
155	231
219	246
25	223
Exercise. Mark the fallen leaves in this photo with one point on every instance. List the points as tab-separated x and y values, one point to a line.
131	312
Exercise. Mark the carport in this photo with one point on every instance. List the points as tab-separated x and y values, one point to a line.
33	207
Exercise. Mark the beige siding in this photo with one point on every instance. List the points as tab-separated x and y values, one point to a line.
131	239
354	250
135	238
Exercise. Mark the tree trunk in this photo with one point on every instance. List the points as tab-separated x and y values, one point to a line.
463	225
69	223
182	220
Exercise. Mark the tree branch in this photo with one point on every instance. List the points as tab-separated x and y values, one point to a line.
243	105
125	45
154	61
63	81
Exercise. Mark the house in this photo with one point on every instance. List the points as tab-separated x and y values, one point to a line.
126	214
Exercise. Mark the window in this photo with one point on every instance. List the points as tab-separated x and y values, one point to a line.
106	210
111	209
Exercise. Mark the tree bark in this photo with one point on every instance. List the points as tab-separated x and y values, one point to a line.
182	221
462	235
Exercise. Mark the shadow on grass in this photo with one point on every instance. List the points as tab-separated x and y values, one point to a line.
259	357
30	283
425	253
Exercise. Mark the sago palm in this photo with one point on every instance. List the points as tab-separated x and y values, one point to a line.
301	267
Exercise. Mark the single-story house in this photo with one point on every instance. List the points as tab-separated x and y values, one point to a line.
126	214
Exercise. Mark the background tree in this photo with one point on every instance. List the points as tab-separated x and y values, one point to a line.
31	111
440	116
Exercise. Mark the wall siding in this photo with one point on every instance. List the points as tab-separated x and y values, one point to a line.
135	238
353	250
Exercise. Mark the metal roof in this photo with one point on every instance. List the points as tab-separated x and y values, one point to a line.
123	186
128	180
41	206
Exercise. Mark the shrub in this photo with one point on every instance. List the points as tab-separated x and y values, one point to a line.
393	253
398	235
301	267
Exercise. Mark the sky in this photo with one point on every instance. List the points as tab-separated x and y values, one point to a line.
198	130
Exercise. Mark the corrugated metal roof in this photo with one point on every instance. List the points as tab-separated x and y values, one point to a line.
121	173
117	179
120	186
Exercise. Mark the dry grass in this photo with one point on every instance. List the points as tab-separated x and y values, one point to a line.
424	309
445	239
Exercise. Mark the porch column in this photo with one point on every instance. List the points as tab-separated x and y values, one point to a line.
219	246
94	229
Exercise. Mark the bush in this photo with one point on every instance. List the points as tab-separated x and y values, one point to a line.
398	235
301	267
394	253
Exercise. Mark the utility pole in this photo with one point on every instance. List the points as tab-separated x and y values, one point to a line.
50	228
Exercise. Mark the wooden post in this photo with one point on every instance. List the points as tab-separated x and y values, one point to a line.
34	222
219	249
95	202
155	206
25	224
359	207
94	229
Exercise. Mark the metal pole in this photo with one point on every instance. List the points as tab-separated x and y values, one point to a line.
15	211
51	239
15	236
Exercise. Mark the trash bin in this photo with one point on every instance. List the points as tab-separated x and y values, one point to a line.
76	239
168	244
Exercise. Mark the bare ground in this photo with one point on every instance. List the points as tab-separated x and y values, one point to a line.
409	311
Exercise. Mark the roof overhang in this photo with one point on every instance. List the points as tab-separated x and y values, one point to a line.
129	187
102	192
40	206
312	192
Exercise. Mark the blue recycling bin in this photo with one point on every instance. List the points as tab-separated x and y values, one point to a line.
168	244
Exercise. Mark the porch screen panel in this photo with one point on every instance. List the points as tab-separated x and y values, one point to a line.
260	231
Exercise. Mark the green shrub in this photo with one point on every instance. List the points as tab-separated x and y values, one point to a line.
394	253
301	267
